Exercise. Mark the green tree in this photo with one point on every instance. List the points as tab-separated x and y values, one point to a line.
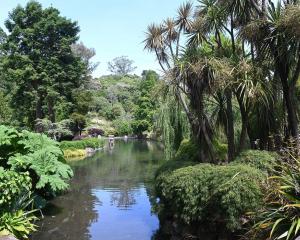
39	66
79	122
146	104
121	66
86	54
5	110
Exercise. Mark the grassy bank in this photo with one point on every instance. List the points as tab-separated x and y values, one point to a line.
74	149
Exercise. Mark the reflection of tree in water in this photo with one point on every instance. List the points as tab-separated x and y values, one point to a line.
70	216
124	197
121	170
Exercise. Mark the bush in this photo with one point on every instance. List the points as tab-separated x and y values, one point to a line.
30	162
140	126
12	185
172	165
69	153
186	155
215	194
19	224
187	151
79	122
262	160
82	144
95	132
14	200
122	126
37	154
221	150
57	130
115	112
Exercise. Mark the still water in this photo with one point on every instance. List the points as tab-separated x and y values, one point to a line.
109	197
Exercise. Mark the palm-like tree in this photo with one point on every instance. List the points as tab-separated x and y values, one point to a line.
284	44
155	42
258	32
277	39
183	21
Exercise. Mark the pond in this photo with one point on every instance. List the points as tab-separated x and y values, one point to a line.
109	197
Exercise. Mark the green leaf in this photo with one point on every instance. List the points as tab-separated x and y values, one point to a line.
275	225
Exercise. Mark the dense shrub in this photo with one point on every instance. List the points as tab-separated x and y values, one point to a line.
221	150
214	194
122	126
37	154
12	185
56	131
18	223
79	122
262	160
82	144
172	165
95	132
16	215
30	163
74	153
186	155
187	151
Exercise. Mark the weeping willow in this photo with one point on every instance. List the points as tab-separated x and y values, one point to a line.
172	122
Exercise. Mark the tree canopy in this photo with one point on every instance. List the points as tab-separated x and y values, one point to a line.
121	66
39	68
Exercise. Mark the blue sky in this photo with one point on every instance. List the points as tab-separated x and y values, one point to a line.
113	27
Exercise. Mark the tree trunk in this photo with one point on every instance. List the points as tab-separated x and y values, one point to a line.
199	125
244	116
230	126
38	108
51	110
289	94
202	133
289	99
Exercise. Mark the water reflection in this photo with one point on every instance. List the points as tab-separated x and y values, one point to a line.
124	198
109	197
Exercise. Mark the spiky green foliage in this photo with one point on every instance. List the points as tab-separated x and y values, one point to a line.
18	218
280	218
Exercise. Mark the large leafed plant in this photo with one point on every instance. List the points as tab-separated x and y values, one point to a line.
37	154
